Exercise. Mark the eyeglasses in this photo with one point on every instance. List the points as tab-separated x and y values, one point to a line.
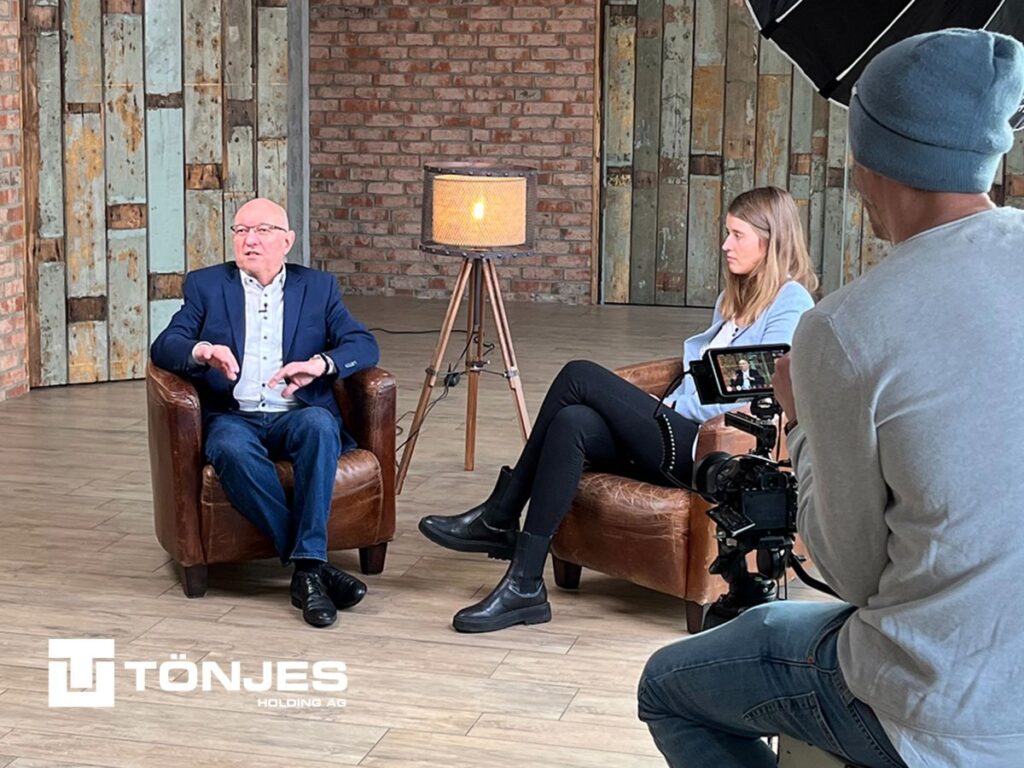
262	230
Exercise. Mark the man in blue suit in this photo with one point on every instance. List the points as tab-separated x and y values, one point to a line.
263	341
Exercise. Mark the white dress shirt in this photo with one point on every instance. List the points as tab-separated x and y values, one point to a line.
264	332
264	348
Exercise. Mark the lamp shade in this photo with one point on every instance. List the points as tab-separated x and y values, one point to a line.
473	209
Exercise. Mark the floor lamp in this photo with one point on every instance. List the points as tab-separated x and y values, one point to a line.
478	212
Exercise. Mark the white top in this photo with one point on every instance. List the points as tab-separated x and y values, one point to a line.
724	336
903	382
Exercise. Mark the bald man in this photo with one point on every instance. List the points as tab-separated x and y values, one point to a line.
263	342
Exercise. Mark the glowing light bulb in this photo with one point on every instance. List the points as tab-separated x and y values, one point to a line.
479	209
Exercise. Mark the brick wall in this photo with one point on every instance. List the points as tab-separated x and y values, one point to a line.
394	85
13	337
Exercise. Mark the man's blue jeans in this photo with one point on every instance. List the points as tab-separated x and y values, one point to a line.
243	447
708	699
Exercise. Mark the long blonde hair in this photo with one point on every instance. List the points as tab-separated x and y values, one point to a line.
773	215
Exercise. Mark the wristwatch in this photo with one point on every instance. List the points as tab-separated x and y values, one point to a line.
327	362
790	426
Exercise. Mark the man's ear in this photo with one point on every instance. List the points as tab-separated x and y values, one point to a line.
289	241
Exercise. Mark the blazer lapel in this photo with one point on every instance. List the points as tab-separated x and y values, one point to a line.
234	300
294	292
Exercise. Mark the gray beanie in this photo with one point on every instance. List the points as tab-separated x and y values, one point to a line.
933	111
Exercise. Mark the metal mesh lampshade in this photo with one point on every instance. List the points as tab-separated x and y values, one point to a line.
473	209
479	212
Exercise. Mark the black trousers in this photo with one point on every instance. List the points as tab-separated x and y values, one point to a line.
591	418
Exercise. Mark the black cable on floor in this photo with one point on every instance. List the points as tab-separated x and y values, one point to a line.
414	333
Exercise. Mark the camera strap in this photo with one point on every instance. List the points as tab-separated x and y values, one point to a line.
806	578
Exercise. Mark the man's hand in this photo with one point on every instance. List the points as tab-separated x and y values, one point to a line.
297	375
218	356
783	386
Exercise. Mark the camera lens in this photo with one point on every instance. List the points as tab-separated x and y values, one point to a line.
705	473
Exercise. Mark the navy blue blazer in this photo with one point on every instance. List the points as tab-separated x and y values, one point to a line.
315	320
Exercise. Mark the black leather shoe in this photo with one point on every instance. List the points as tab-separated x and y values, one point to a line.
519	598
309	595
485	528
344	589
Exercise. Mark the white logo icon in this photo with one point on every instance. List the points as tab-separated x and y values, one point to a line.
81	673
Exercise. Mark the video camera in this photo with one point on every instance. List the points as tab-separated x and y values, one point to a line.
755	495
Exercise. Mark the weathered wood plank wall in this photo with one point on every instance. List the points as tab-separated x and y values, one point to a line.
43	177
272	104
125	174
646	142
147	125
165	159
708	131
674	156
696	109
619	98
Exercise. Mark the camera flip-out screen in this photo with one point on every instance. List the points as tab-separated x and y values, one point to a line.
745	372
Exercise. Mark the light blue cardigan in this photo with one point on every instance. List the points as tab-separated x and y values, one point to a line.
773	326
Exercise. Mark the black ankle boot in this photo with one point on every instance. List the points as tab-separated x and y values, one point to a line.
488	527
519	598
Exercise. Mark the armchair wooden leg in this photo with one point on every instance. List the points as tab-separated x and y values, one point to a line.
567	575
694	616
193	579
371	559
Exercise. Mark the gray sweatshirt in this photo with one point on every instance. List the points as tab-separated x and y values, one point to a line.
909	385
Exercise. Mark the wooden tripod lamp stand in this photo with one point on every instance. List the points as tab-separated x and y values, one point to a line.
477	212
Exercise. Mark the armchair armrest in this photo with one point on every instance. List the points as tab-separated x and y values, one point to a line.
653	376
367	402
175	463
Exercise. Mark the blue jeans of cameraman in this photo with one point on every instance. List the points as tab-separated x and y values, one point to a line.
708	699
243	447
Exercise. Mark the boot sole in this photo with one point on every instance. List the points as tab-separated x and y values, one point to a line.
494	551
534	614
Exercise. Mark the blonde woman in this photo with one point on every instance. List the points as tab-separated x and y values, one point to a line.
591	417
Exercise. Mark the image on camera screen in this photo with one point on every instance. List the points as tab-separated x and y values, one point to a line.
743	372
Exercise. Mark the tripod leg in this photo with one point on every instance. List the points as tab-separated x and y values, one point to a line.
505	342
474	355
431	378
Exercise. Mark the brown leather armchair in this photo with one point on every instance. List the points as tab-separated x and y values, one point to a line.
196	523
657	537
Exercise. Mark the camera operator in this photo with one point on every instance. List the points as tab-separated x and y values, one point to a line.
913	511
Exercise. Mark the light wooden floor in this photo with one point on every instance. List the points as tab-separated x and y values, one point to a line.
78	558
